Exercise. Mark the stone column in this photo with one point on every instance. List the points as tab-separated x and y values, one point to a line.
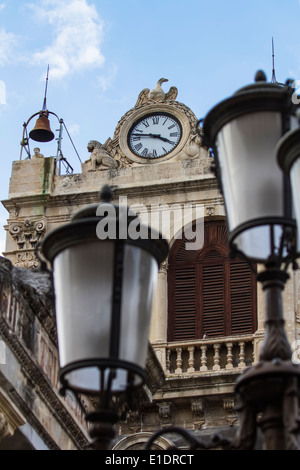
159	323
158	328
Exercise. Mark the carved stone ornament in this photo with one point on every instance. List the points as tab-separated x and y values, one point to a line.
229	407
197	408
10	417
27	234
157	94
165	412
100	159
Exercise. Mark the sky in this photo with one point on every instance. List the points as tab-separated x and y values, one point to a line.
102	53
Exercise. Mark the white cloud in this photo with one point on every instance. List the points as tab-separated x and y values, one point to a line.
74	129
105	81
2	92
7	43
77	33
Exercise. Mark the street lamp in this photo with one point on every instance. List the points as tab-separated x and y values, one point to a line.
288	155
243	132
105	264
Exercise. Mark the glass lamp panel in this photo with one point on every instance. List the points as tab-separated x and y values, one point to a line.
295	183
139	281
93	379
83	277
252	181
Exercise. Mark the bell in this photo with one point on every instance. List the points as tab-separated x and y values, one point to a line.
42	131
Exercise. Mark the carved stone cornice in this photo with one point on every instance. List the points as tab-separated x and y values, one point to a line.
16	337
45	389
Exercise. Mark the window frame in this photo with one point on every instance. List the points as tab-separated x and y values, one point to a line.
181	290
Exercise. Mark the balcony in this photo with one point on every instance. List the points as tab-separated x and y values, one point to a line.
211	355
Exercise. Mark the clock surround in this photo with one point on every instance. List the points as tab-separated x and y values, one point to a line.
172	109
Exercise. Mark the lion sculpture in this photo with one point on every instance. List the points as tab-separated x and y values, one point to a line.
100	157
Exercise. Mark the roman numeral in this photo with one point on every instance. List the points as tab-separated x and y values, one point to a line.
155	119
145	152
173	134
138	147
146	123
154	153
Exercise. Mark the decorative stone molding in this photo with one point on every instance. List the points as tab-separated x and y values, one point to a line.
138	441
27	234
4	427
10	417
26	259
165	413
197	407
229	407
210	211
163	268
133	421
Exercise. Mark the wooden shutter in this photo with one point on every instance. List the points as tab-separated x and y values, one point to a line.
242	298
183	299
208	292
212	295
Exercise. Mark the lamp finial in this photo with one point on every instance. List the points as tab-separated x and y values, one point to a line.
106	194
260	76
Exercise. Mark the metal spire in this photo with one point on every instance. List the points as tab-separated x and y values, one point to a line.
273	64
44	105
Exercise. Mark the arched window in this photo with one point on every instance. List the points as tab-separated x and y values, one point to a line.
209	293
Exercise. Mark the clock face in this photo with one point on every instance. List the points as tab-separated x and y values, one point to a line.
154	136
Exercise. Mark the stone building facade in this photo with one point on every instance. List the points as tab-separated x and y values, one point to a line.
198	347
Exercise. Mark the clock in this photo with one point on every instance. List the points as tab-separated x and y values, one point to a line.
154	135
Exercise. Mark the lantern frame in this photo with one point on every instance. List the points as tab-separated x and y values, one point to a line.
260	97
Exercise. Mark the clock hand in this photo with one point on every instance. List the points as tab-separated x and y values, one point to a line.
147	135
157	136
166	140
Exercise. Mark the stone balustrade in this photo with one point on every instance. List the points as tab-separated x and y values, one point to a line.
209	355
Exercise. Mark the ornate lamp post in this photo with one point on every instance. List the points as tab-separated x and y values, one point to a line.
104	280
243	132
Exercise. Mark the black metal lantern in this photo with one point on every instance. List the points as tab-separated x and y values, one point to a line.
243	132
104	281
288	155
